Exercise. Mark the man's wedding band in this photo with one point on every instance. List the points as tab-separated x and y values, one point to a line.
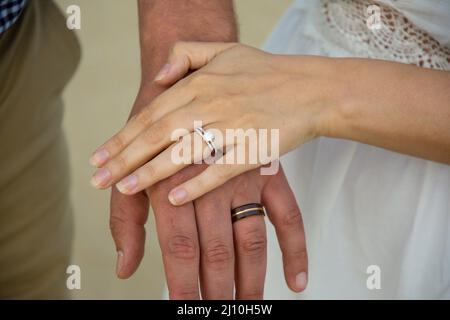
247	210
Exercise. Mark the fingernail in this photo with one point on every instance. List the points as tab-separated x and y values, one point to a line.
99	157
101	178
177	195
163	72
127	184
301	280
119	262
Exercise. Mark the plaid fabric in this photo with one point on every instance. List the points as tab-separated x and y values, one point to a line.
10	10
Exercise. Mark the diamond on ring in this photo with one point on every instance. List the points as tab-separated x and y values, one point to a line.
208	137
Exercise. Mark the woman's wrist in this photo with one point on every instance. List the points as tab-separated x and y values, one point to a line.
391	105
323	86
336	93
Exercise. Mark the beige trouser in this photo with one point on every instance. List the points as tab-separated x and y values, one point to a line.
38	55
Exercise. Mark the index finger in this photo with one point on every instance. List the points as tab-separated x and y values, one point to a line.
163	104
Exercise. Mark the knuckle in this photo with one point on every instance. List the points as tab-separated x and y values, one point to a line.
293	256
149	171
292	218
217	253
199	184
183	294
255	294
145	118
254	243
118	142
115	223
162	126
300	254
182	246
154	136
121	162
120	226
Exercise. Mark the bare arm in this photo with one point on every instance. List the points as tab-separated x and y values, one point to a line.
164	22
395	106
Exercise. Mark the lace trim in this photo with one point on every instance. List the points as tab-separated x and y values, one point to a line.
396	39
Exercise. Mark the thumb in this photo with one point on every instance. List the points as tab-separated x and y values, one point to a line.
128	215
187	56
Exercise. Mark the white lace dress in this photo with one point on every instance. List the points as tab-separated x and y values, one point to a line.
365	206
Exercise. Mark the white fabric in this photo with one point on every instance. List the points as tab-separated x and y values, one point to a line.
364	205
430	15
396	38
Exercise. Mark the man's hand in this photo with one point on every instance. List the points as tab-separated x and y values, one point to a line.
196	239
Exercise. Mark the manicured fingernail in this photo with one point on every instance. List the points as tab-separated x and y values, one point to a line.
127	184
101	178
163	72
301	280
99	157
177	196
119	263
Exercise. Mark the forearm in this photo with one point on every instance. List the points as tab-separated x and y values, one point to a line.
394	106
163	22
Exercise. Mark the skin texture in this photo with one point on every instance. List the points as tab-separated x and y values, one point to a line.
197	239
390	105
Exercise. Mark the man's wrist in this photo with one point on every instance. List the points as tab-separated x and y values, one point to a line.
162	23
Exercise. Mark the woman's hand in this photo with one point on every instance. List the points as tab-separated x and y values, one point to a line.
237	87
